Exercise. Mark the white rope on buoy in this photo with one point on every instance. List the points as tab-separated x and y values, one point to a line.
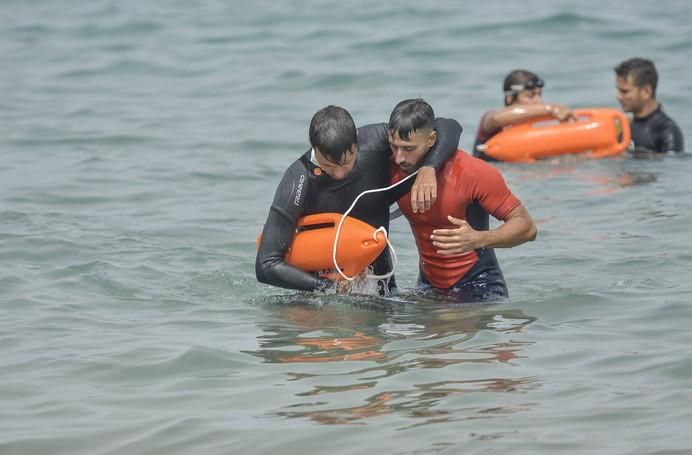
380	229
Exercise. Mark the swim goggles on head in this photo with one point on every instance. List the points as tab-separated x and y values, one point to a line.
528	85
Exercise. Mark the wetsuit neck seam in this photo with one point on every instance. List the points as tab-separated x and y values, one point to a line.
654	112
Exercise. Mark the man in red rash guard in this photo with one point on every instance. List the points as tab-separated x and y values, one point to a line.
455	244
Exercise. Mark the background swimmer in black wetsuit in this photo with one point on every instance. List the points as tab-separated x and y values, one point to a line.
523	101
652	130
341	164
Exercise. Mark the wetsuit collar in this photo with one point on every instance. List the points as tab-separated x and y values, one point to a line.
658	108
313	160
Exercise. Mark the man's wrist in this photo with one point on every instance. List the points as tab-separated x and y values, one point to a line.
484	238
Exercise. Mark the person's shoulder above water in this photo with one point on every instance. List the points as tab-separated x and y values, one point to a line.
372	137
656	133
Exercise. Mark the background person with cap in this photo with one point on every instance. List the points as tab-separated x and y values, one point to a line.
522	96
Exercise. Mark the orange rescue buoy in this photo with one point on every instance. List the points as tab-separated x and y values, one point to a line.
598	132
312	247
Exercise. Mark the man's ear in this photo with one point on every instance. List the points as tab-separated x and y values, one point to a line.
432	138
647	91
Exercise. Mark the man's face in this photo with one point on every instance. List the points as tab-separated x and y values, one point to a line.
528	92
337	171
530	96
630	97
407	153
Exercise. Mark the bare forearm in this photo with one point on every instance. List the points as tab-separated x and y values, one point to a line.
518	113
518	229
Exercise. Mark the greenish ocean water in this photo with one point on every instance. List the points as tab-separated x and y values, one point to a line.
141	145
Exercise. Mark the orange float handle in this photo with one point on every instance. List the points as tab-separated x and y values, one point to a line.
622	131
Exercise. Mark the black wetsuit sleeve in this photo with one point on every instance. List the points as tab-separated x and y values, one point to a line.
287	207
448	135
375	138
670	138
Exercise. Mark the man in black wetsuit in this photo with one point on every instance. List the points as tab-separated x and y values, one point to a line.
652	130
341	164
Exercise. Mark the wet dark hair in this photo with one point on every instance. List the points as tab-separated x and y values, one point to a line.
643	72
411	115
518	77
332	132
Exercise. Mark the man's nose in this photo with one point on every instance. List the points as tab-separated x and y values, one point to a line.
398	157
342	172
